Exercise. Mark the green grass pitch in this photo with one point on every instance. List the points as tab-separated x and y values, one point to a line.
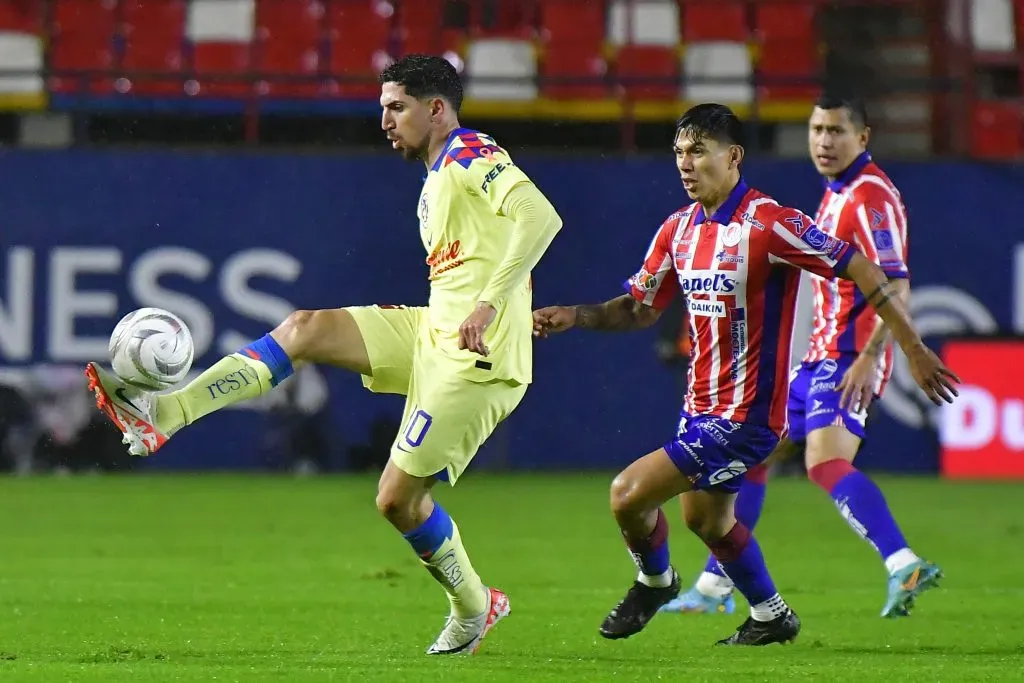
251	579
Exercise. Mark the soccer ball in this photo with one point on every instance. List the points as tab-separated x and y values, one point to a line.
151	348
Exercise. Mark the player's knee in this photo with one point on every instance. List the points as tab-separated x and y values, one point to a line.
395	507
707	524
624	495
296	332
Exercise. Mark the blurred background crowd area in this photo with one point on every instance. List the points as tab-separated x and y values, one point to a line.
600	74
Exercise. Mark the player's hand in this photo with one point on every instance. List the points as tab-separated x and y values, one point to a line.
552	320
858	384
471	332
931	375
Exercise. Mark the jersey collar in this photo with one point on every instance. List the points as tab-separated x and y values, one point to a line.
724	213
447	146
851	172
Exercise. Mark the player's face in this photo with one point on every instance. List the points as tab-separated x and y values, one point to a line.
834	140
706	166
406	121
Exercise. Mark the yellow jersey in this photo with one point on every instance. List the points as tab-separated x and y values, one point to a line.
466	236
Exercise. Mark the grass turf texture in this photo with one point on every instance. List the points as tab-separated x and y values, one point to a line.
230	578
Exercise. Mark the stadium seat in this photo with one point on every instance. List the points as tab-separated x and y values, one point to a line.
718	71
221	70
21	52
221	21
503	19
359	33
788	21
153	42
21	16
289	41
82	39
996	130
648	72
572	38
501	69
644	22
788	70
712	20
419	29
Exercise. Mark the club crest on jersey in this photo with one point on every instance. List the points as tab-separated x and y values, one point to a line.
731	235
423	211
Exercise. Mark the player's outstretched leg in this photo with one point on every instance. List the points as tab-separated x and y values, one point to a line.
406	502
148	419
713	592
863	506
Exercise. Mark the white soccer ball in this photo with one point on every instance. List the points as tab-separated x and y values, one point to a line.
151	348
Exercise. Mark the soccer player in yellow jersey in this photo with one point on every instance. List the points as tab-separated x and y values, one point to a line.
463	361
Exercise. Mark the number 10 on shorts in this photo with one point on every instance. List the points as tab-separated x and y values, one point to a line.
416	428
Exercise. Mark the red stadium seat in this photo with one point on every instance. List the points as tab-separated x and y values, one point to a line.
360	34
504	18
567	21
419	29
566	62
83	39
221	69
996	130
788	70
21	16
786	21
289	39
713	20
573	37
648	72
154	41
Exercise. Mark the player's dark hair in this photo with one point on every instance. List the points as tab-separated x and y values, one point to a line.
853	104
425	76
710	120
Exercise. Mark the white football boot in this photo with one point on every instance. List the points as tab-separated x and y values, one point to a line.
128	407
462	635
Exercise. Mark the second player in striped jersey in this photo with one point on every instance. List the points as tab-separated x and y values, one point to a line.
735	255
848	362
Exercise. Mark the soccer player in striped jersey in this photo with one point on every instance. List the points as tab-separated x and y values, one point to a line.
735	255
847	364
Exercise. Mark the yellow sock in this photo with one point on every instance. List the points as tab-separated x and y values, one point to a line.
232	379
451	567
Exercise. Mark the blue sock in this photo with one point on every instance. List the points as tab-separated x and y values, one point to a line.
749	503
861	504
651	554
431	535
741	556
269	352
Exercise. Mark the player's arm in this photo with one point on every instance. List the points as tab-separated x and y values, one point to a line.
798	242
880	337
650	291
535	224
620	314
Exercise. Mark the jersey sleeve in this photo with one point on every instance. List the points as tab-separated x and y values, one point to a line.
797	241
655	284
490	172
879	228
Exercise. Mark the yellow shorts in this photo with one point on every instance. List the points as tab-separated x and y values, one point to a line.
447	418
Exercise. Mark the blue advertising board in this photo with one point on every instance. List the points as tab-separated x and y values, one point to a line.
234	241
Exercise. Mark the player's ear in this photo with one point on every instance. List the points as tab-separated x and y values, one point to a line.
437	107
735	156
865	136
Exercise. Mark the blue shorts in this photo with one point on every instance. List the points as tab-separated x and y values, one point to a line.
715	453
814	399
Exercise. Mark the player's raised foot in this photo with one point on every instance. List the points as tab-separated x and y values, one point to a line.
130	409
906	584
637	608
462	636
782	629
696	602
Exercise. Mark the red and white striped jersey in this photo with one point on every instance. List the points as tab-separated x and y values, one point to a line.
738	271
861	206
